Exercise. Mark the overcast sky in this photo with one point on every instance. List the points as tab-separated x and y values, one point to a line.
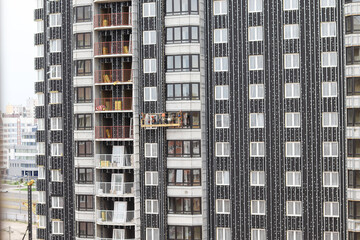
17	72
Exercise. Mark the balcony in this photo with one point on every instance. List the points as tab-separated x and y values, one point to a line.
113	132
99	238
107	161
113	104
111	49
113	76
112	20
115	189
110	217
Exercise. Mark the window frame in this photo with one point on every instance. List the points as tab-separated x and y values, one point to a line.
222	205
149	37
293	29
255	178
330	119
88	176
258	152
223	146
153	204
225	178
291	179
222	10
259	91
256	120
292	61
221	35
153	146
328	29
57	230
86	65
86	91
88	148
171	31
258	62
150	65
189	11
291	117
82	10
328	63
222	121
191	88
328	89
332	176
88	226
331	146
148	8
351	86
255	33
150	94
184	172
173	66
222	92
172	202
256	206
154	178
84	116
332	214
293	89
83	42
294	208
184	155
258	6
85	203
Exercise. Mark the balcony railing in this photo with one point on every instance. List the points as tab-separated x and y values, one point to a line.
114	189
111	132
113	76
114	161
111	217
100	238
112	19
112	48
113	104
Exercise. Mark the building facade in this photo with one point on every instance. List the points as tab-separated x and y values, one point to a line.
194	119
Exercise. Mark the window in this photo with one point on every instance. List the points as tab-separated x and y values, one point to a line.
85	229
83	95
176	7
256	62
293	179
55	97
291	5
256	120
258	207
189	119
83	67
353	147
258	234
40	75
42	221
41	197
255	6
83	121
220	7
85	203
82	14
151	150
83	40
150	94
221	35
330	149
56	123
39	50
184	232
41	124
55	71
184	34
39	26
223	206
257	149
329	59
84	175
223	233
330	119
57	149
354	235
55	45
353	55
331	236
223	149
255	33
55	20
41	173
56	176
41	148
353	86
354	179
149	65
149	9
41	99
328	29
149	37
178	205
183	91
152	234
292	120
151	206
182	63
294	235
331	179
221	92
151	178
352	24
354	210
57	227
257	178
39	3
329	89
291	31
331	209
291	61
84	149
292	90
184	177
184	148
293	149
222	121
256	91
293	208
57	202
222	178
328	4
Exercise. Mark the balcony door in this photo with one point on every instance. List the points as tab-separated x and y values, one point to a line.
117	184
118	234
120	212
118	155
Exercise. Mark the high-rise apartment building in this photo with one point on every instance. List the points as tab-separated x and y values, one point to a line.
194	119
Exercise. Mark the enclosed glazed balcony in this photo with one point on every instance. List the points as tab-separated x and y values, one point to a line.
113	132
115	217
120	161
115	189
115	233
113	104
113	48
113	20
113	76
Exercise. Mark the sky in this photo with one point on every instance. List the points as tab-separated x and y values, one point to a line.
17	50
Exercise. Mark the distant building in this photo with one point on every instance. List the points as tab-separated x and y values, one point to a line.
22	161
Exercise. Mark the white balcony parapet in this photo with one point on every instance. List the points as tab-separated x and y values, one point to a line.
114	161
110	217
353	225
353	194
115	189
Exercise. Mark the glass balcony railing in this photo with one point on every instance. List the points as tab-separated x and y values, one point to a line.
114	189
114	160
112	217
